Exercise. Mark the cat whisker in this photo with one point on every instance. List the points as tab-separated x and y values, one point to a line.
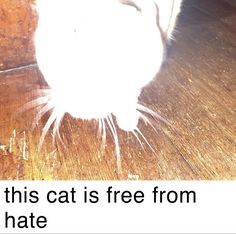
145	109
56	127
43	92
34	103
103	124
144	138
137	137
116	140
41	113
46	128
147	121
100	127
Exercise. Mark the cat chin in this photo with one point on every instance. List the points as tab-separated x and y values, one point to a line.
124	108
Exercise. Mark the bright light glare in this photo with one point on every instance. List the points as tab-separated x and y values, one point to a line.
97	55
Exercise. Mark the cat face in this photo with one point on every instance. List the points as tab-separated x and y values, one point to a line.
97	55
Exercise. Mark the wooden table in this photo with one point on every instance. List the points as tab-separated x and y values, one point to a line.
195	92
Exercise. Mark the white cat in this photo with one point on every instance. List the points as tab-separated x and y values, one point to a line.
97	55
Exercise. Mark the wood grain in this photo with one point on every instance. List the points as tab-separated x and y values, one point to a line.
195	92
17	25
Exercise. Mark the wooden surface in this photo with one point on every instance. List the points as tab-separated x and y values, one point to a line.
195	92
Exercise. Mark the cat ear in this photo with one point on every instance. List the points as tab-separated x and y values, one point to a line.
168	11
145	7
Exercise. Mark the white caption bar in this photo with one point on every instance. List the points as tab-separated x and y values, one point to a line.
117	207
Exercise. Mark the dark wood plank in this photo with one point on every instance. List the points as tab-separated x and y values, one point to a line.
17	25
